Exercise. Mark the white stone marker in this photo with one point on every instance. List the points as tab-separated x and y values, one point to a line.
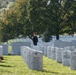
33	58
42	49
16	46
53	52
45	50
62	44
73	60
5	48
49	51
66	57
59	55
36	60
1	51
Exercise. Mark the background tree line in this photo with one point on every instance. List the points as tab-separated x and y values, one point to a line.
46	17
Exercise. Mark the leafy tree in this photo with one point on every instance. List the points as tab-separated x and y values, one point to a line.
57	17
14	21
3	32
52	17
43	15
71	5
59	11
36	10
20	9
46	36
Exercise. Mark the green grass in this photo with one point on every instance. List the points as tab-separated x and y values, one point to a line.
14	65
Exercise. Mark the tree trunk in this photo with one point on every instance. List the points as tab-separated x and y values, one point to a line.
57	31
57	37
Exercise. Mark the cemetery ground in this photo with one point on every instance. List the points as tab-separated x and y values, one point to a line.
15	65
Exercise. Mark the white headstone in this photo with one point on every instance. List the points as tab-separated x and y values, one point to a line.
62	44
42	49
66	57
5	48
36	60
45	50
49	51
16	46
1	51
53	52
59	55
33	58
73	60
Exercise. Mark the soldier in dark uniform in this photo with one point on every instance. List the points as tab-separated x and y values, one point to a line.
35	38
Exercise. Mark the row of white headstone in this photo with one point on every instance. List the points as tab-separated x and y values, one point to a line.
33	58
15	46
62	44
64	53
17	43
56	51
66	56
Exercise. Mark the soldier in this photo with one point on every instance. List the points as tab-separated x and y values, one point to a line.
35	39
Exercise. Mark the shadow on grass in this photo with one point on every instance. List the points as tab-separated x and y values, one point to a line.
5	66
5	58
2	61
47	71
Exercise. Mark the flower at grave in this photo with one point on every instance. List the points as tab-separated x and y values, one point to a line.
1	58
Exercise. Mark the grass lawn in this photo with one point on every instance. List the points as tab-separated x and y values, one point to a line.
14	65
